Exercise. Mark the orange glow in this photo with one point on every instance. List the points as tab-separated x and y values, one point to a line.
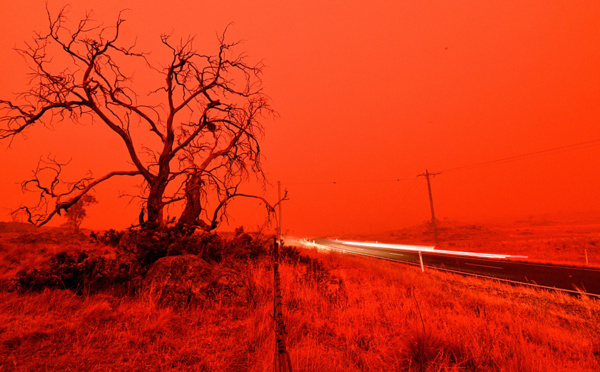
369	96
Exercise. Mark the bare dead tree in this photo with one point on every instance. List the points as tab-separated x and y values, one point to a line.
205	119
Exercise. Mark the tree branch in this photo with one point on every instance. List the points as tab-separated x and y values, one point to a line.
40	219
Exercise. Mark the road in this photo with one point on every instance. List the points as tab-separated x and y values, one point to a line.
566	278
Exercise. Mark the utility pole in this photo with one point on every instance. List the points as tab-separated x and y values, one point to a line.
280	202
426	175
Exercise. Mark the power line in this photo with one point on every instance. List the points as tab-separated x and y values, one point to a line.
408	193
555	150
345	182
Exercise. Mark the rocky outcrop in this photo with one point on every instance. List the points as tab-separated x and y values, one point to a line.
188	280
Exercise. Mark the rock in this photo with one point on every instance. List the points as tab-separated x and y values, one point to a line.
188	280
231	286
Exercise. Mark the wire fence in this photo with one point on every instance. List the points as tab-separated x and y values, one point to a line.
282	357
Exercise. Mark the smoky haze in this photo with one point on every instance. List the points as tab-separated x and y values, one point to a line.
500	98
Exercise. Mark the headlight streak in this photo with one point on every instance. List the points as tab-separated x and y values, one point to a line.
417	248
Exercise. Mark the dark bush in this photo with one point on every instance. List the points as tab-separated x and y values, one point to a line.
291	254
209	247
79	272
35	280
137	250
110	237
244	246
147	246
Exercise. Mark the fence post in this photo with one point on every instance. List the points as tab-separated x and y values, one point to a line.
282	358
421	259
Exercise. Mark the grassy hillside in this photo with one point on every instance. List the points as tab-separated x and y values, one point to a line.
342	313
549	242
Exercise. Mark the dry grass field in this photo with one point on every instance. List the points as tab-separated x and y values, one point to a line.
342	313
542	241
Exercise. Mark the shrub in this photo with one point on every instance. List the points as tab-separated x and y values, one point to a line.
79	272
110	237
136	251
291	254
244	246
209	247
147	246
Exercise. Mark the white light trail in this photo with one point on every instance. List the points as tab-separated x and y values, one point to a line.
390	246
418	248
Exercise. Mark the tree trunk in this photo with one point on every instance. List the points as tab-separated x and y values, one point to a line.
190	216
155	206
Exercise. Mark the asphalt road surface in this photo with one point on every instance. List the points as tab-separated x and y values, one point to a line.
567	278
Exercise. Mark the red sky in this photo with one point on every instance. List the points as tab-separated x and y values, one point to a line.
369	96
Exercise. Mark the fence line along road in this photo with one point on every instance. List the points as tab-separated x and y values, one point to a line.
282	357
565	278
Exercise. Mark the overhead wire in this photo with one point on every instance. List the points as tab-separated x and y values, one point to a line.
554	150
346	182
402	206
